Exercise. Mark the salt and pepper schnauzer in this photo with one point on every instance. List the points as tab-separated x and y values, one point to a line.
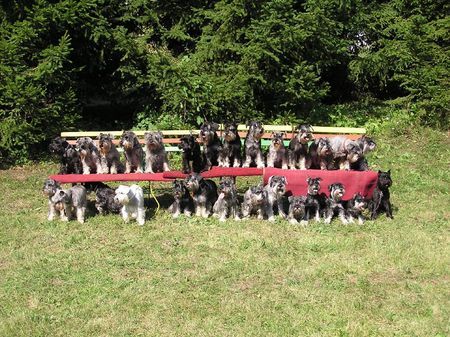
252	145
320	155
134	154
70	200
278	154
230	151
366	145
155	153
275	188
355	207
345	152
298	147
49	190
109	156
314	200
297	210
89	155
105	201
211	144
334	203
227	201
183	202
69	158
203	192
381	197
132	200
255	200
191	156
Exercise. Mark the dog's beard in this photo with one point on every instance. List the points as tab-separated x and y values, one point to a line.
192	186
359	206
313	190
353	157
229	137
276	145
123	199
127	145
105	147
337	194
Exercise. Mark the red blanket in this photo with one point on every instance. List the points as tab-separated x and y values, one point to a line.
353	181
217	172
89	178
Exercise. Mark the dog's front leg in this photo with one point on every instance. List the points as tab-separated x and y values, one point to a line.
127	167
328	216
280	209
302	162
166	165
86	168
388	208
114	166
248	161
81	211
140	218
317	215
125	214
66	212
51	211
343	217
103	165
259	160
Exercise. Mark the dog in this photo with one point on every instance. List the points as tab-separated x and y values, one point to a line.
252	145
320	155
334	203
298	147
297	210
203	192
70	200
134	154
183	202
89	155
49	190
230	151
211	144
131	198
314	201
109	156
191	156
381	196
255	200
345	152
366	145
278	154
227	201
69	158
355	207
155	153
105	201
275	188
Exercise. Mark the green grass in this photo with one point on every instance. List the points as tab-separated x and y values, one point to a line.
196	277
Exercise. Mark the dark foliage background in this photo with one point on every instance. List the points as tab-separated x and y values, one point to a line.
98	64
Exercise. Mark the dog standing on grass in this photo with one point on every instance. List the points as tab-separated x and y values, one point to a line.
49	190
132	200
69	201
155	153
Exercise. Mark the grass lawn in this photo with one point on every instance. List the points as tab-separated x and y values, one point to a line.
196	277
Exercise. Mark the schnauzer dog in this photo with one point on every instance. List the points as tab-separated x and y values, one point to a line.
105	201
334	203
68	156
89	155
134	154
67	201
381	196
252	145
297	210
132	200
49	190
275	188
203	192
345	152
355	208
211	144
230	151
366	145
314	201
183	202
320	155
191	157
109	156
255	200
227	201
155	153
278	154
298	147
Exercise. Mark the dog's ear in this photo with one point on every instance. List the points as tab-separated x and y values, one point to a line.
136	141
284	179
389	172
214	126
308	180
269	182
330	187
319	178
291	198
379	172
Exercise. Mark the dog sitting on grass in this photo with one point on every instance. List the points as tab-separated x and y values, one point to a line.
381	198
227	201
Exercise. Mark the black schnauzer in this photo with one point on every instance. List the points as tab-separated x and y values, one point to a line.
70	162
211	144
298	147
230	151
105	201
191	157
335	204
381	196
183	202
252	145
203	192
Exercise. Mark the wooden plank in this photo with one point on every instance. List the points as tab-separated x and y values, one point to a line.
77	134
321	129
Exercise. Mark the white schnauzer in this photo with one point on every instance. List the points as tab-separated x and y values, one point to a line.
132	200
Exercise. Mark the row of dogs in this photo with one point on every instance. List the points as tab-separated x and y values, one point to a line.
202	197
303	152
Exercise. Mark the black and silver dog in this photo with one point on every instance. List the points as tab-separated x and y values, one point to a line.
252	145
314	201
109	156
70	200
134	154
355	207
49	190
211	144
297	210
230	151
278	154
381	198
275	188
68	156
89	155
183	202
191	156
105	201
298	147
203	192
227	201
366	145
320	155
255	200
334	203
155	153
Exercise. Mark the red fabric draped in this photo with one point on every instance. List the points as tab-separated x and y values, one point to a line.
89	178
217	172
